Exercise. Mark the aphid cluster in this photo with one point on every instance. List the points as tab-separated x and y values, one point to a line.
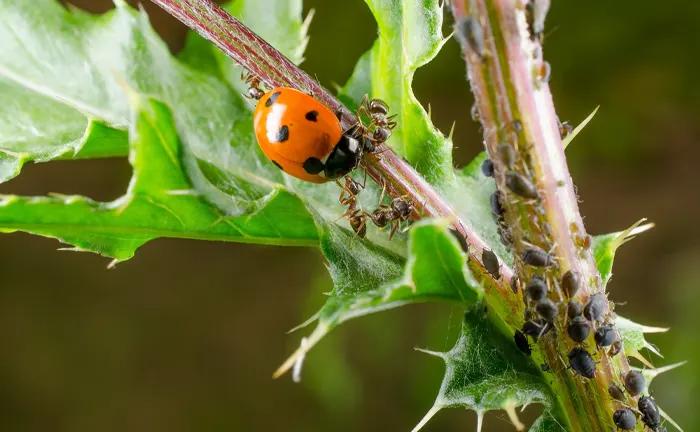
627	417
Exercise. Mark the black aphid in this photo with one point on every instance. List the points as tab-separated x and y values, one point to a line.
521	185
547	309
574	308
470	34
536	289
517	126
578	329
571	283
497	204
536	328
650	412
634	382
582	362
625	419
536	257
616	393
545	367
605	335
505	235
490	262
506	154
522	343
487	168
595	308
460	238
536	14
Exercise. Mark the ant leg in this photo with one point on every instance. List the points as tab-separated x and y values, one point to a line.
364	182
394	227
344	190
381	197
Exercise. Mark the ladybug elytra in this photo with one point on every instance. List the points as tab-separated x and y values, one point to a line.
303	137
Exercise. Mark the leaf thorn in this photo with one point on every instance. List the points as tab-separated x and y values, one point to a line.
308	321
432	353
304	347
509	408
426	418
567	140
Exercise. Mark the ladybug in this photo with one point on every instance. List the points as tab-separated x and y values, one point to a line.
303	137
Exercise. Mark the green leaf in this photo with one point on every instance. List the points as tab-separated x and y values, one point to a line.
484	371
410	35
160	202
46	108
605	246
633	340
368	279
79	104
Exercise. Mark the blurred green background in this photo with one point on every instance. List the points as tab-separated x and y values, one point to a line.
185	336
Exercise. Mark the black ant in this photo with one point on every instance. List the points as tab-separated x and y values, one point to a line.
398	211
348	198
254	91
380	126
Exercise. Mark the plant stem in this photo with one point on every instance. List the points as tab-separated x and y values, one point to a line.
516	108
385	167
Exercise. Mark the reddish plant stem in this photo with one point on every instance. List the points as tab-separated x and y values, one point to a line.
385	167
507	88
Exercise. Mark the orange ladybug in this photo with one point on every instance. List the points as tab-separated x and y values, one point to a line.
303	137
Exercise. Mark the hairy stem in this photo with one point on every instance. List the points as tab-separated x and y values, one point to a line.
385	167
508	78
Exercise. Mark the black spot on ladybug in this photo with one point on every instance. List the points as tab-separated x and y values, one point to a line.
311	115
278	165
272	99
313	165
282	134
